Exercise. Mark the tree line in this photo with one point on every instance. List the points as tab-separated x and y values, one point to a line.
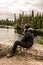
6	22
36	21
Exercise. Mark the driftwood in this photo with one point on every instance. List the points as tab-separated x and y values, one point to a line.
36	51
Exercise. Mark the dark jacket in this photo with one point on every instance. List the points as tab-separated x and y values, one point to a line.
28	38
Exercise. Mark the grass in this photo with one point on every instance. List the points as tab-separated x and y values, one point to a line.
40	40
39	32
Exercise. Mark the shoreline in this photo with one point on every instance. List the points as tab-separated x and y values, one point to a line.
35	51
24	58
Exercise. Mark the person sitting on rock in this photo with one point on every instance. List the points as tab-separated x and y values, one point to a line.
26	42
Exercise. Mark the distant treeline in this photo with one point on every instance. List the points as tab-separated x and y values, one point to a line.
36	21
6	22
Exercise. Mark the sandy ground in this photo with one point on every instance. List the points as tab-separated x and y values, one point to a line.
20	60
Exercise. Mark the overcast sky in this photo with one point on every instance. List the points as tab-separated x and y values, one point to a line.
8	7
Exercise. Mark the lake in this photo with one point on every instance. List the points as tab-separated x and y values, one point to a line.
8	35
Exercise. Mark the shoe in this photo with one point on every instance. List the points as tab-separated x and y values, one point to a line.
10	55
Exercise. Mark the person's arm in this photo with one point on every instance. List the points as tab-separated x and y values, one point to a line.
25	37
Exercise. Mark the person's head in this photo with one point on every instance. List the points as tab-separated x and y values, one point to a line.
26	26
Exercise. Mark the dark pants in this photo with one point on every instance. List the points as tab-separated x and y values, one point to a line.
20	43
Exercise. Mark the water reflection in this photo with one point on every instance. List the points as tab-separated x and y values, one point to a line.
8	34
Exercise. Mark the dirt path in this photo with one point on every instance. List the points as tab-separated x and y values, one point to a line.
20	60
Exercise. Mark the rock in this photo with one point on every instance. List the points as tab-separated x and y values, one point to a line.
4	49
36	51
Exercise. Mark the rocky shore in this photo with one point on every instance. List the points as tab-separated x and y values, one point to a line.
33	56
36	51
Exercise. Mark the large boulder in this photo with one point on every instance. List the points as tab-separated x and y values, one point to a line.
36	51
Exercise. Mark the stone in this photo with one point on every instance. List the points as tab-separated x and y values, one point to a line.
36	51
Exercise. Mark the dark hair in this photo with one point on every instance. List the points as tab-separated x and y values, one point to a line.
26	27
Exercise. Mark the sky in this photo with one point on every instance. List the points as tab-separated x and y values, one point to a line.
9	7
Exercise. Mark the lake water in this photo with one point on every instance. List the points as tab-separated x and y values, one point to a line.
8	35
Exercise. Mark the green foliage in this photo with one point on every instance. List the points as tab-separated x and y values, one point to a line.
40	40
6	22
36	22
19	29
39	32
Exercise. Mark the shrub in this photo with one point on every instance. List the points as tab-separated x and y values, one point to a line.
39	32
40	40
